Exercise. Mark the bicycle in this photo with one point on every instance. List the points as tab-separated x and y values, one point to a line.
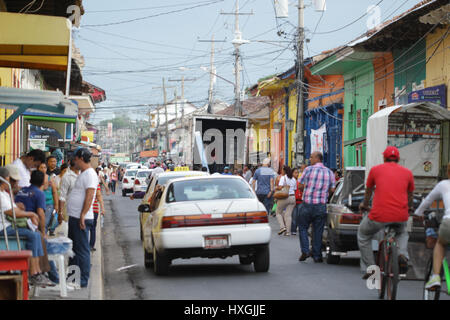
435	292
387	262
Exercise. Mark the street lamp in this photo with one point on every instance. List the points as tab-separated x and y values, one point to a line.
290	125
277	126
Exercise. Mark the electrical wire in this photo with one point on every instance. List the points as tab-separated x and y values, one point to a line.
28	6
154	15
40	7
347	25
148	8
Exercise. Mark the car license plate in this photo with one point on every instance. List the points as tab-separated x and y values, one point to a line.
216	242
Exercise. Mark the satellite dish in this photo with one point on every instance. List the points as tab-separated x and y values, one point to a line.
320	5
281	8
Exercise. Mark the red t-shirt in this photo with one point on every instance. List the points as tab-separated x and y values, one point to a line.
392	183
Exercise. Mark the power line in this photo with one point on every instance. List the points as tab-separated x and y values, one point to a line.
153	16
347	25
147	8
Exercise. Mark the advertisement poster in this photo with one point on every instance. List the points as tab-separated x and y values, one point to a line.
38	144
417	136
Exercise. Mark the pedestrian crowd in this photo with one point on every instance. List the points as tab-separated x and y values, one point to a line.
45	194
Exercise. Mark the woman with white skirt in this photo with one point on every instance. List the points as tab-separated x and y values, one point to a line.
284	217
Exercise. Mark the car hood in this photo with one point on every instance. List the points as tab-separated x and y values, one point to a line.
213	206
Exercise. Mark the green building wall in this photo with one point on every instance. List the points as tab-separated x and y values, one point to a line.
409	68
358	104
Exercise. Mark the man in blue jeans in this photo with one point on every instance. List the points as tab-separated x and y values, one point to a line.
80	212
316	183
264	180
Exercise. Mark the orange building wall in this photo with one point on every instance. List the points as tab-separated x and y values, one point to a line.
384	81
318	86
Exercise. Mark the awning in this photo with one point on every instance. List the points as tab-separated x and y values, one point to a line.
85	103
21	100
34	41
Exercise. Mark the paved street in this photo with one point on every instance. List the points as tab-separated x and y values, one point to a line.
226	279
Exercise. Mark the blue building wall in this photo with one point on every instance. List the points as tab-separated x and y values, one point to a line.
328	115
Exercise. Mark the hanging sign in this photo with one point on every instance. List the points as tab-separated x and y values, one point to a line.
436	94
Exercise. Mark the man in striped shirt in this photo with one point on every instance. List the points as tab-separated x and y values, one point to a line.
316	183
98	207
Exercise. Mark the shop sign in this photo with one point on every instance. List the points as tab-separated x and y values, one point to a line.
436	94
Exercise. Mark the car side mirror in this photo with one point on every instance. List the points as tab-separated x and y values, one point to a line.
144	208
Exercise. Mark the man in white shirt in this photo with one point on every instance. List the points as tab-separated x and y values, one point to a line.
26	163
66	186
158	169
80	212
440	191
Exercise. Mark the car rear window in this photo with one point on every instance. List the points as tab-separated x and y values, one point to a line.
143	174
131	173
162	180
209	189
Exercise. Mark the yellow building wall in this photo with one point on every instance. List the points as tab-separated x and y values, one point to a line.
293	116
5	157
438	67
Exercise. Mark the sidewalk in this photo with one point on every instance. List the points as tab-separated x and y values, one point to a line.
95	289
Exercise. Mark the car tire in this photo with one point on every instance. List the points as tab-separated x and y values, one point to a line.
333	259
245	260
124	194
160	263
262	259
148	259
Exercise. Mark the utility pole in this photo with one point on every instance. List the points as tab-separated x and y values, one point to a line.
167	118
165	111
211	79
237	42
299	155
182	94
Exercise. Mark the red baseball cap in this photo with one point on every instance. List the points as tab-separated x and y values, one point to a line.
391	152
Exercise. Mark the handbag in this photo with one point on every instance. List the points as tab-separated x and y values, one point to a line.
20	222
283	193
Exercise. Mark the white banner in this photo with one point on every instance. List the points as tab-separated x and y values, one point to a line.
317	139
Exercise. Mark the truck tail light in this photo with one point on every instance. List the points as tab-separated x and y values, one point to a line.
206	220
350	218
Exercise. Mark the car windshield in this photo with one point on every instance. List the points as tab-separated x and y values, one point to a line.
209	189
131	173
143	174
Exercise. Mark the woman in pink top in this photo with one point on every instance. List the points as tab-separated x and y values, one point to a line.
114	178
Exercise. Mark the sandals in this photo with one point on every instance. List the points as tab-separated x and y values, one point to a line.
283	230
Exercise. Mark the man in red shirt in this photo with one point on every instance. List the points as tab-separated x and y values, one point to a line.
393	186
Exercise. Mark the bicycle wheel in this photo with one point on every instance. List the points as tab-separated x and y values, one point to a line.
392	273
381	263
434	293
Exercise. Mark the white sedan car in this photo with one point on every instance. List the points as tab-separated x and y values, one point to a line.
140	180
128	181
209	217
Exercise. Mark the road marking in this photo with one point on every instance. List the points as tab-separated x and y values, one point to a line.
127	267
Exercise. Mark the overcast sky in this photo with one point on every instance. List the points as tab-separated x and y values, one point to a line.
129	46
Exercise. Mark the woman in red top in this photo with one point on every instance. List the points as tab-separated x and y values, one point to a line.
298	202
98	207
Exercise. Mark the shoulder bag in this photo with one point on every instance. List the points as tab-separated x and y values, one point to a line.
283	193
